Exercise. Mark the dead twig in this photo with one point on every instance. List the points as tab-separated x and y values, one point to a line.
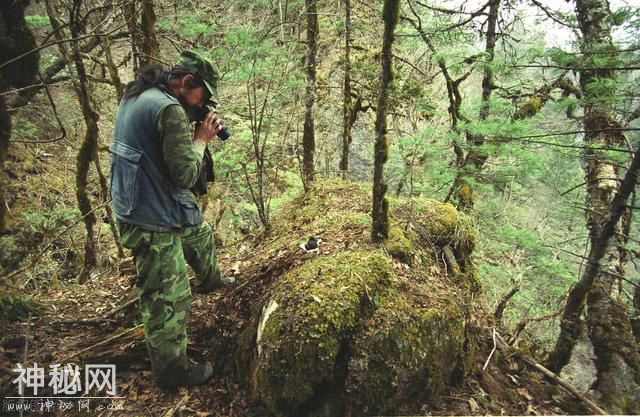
82	322
120	308
170	412
497	314
133	330
520	327
546	372
492	351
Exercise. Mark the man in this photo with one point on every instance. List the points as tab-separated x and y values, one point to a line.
156	159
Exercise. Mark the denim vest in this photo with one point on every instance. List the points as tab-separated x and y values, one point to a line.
141	189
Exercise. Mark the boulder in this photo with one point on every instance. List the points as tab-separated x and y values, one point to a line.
358	328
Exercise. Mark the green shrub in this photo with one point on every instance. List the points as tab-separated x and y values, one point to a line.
35	230
13	308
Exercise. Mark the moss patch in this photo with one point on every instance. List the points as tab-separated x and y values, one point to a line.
350	327
319	306
14	308
404	354
438	224
398	245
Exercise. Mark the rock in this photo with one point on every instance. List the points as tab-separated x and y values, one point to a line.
359	328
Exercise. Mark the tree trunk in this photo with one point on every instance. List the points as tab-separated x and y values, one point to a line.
346	103
308	136
476	157
635	321
15	39
380	209
5	136
149	49
610	330
88	149
113	69
104	193
129	14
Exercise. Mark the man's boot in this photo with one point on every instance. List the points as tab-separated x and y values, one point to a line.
195	374
213	285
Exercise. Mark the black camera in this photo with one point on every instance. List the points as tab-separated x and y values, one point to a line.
202	112
206	171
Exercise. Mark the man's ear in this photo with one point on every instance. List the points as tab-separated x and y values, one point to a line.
185	81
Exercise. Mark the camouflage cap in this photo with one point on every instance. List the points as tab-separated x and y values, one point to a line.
201	68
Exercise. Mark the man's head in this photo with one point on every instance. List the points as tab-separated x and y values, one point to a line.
197	82
193	80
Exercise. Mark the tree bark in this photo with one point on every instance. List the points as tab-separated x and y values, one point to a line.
15	39
610	331
346	103
380	207
130	15
104	193
149	49
88	149
308	135
476	157
113	69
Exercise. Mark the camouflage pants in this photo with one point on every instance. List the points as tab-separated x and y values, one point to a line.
163	287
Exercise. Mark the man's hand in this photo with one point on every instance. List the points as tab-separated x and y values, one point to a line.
208	129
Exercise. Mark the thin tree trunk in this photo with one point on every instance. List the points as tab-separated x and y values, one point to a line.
130	15
104	193
476	157
380	206
346	103
113	69
149	49
308	136
5	136
88	150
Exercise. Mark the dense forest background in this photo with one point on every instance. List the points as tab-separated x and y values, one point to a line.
522	114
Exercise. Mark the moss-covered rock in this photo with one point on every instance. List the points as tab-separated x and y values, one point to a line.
404	353
398	245
303	327
370	328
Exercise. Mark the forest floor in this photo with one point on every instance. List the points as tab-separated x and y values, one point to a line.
96	323
78	325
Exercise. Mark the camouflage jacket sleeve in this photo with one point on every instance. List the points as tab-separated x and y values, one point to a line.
182	155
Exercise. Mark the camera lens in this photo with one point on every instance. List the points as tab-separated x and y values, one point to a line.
225	133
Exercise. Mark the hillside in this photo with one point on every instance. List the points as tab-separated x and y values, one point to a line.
469	170
352	329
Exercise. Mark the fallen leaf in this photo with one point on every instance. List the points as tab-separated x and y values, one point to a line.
525	393
473	405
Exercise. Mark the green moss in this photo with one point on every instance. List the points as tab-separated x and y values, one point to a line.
319	306
404	354
469	279
398	245
342	324
465	193
438	224
323	197
510	395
